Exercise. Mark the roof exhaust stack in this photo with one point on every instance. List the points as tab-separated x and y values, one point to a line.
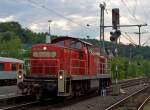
48	37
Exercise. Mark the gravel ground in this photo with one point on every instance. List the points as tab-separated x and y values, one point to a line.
97	103
147	106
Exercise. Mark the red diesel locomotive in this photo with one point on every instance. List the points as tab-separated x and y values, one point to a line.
66	67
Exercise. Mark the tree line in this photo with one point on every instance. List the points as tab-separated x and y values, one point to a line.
127	68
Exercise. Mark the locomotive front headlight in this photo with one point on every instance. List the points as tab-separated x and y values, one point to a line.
44	48
60	77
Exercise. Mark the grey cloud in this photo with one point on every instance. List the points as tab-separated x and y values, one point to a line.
28	13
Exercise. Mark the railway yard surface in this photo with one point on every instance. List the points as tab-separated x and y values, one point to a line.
95	103
147	106
8	91
91	102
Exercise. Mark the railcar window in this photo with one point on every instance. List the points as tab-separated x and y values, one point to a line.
13	67
20	66
1	67
44	54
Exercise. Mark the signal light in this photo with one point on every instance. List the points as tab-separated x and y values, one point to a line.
20	76
118	33
115	18
114	35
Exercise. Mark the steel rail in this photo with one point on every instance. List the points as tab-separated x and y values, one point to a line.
144	103
129	96
25	104
20	105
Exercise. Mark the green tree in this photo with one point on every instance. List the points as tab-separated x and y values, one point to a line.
10	47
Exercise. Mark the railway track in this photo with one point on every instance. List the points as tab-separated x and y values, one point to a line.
144	103
15	107
135	101
12	102
132	82
51	103
28	102
128	83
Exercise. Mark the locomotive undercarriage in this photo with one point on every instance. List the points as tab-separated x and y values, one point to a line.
42	89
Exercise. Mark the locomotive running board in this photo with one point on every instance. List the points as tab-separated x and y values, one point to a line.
64	94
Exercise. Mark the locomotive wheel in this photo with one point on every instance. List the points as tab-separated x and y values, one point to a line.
24	91
36	92
38	96
77	89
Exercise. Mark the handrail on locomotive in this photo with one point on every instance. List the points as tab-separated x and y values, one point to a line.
102	68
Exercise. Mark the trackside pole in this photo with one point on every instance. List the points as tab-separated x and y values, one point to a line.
101	81
114	37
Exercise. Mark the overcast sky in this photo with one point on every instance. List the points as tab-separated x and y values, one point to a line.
70	17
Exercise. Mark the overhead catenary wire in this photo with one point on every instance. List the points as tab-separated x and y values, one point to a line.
50	10
59	14
128	39
135	7
144	11
133	16
147	40
53	11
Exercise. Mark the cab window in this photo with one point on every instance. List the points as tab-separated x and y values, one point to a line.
90	50
60	43
76	45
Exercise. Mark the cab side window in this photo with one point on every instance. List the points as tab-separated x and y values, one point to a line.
76	45
60	43
90	49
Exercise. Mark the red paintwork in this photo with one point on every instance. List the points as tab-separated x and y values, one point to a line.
8	67
72	61
103	61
